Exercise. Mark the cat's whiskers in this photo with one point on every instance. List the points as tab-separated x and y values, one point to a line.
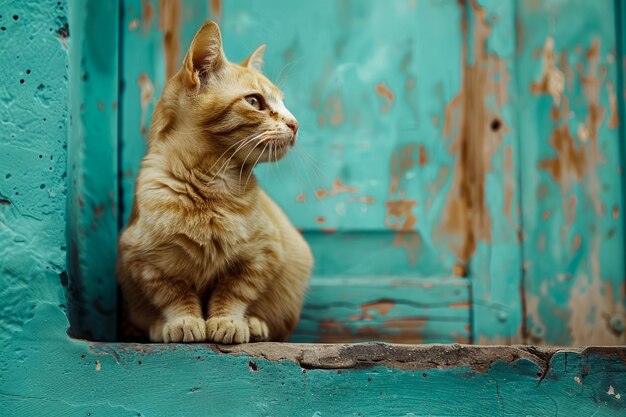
241	146
246	139
254	165
244	161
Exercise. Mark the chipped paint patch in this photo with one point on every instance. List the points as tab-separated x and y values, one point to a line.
169	24
364	200
146	95
592	304
402	160
422	155
476	131
385	92
216	9
552	81
147	14
337	187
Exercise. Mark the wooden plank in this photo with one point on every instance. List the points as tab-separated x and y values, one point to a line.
572	187
386	308
486	192
93	171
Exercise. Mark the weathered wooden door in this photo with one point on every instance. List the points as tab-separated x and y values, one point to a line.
425	126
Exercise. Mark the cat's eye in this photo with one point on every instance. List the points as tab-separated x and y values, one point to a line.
255	101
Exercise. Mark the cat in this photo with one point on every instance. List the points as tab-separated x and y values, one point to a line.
207	255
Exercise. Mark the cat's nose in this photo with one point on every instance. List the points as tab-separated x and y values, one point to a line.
293	125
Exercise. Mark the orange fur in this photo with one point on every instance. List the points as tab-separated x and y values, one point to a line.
207	255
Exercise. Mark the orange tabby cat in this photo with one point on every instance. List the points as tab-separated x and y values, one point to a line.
204	241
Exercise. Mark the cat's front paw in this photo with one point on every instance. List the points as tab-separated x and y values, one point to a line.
259	332
184	329
227	330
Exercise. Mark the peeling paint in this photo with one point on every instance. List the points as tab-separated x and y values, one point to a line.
385	92
337	187
476	130
147	14
573	161
552	81
215	6
400	215
592	300
169	24
422	155
146	95
402	160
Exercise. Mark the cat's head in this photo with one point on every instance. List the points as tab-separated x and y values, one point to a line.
215	106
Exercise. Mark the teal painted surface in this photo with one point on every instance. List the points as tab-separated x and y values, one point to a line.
495	268
193	380
394	309
44	372
33	132
92	169
429	163
573	222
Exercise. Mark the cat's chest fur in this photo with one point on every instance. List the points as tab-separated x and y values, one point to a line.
201	243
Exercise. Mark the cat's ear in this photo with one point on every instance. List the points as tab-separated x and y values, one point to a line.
205	55
255	59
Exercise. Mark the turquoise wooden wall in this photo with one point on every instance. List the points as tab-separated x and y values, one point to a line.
58	112
457	174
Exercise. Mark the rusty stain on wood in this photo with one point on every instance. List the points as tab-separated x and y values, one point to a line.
477	132
400	215
383	307
385	92
169	24
216	9
337	187
568	165
147	14
146	95
574	161
402	160
422	155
